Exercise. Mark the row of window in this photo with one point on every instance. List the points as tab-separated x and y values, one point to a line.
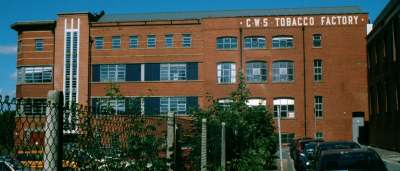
145	72
283	107
179	105
186	41
257	71
224	42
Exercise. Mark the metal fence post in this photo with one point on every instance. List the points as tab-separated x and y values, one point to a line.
170	136
203	163
223	145
53	131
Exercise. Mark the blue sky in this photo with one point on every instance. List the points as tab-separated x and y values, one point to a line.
19	10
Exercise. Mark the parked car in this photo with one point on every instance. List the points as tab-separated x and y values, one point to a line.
300	153
350	159
306	158
9	164
331	145
293	145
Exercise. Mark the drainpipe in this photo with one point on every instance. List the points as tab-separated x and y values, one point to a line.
304	82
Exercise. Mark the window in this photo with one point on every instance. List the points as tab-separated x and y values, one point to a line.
34	75
151	41
226	43
256	102
282	71
110	106
172	71
282	42
116	42
256	71
255	42
112	72
133	42
169	41
318	106
317	40
225	103
176	105
33	106
186	40
287	138
285	107
39	44
319	135
99	42
226	73
317	70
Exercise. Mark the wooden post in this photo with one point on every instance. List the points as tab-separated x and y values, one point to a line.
223	145
170	137
53	131
203	164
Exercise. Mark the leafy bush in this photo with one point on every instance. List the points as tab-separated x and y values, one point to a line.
251	143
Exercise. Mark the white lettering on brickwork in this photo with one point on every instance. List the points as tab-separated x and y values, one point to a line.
299	21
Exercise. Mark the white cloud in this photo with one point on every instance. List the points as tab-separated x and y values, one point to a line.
8	49
13	76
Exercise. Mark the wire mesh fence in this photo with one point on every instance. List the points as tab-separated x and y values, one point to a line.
38	134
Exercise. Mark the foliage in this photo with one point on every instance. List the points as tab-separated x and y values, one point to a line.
250	139
7	126
102	145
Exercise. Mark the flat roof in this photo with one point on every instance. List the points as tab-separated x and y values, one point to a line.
187	15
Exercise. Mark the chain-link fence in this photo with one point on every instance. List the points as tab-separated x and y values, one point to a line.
46	134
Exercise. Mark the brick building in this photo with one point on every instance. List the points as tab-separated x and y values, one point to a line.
384	78
310	63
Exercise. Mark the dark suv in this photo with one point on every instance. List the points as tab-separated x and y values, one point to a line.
350	160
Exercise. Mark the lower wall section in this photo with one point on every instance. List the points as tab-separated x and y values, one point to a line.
384	131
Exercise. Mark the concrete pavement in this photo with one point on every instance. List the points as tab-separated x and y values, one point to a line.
391	158
288	164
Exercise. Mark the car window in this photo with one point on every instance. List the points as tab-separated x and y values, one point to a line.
352	161
4	167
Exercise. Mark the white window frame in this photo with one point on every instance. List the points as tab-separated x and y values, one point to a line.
169	41
33	75
99	42
177	105
227	42
223	73
186	40
318	107
173	71
282	71
286	103
151	41
225	103
133	42
283	42
317	68
253	72
254	42
253	102
116	42
39	44
112	72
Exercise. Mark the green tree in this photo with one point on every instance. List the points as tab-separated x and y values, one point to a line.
251	143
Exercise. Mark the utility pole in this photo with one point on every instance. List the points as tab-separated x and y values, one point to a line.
280	137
